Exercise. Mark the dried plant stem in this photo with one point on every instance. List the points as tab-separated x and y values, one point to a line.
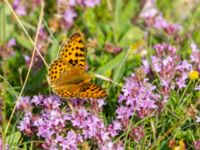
33	54
25	31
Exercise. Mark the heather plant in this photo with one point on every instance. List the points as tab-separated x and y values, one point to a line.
144	54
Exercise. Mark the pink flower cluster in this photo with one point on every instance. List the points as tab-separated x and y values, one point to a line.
167	65
62	128
196	145
7	49
22	7
138	97
153	18
2	146
66	10
195	56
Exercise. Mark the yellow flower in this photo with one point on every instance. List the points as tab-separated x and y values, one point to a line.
181	146
193	75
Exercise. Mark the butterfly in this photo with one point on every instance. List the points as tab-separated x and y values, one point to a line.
67	75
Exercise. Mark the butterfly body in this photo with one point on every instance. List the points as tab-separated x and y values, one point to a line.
67	75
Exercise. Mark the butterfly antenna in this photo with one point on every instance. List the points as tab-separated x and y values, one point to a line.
105	78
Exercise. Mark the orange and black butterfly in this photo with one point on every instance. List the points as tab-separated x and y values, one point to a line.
67	75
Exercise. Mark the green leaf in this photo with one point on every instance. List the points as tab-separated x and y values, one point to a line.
119	70
112	64
54	49
23	40
36	80
131	35
164	145
90	20
13	138
6	27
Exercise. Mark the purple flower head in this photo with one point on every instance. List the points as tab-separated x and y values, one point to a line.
124	113
198	119
37	2
79	118
52	102
172	29
97	105
160	23
77	103
62	128
2	145
68	18
153	18
71	140
44	128
111	146
67	13
194	47
196	145
101	102
88	3
146	66
43	40
26	124
27	60
7	49
163	50
91	3
111	48
114	128
91	126
169	68
24	104
195	56
149	12
19	8
197	87
184	65
138	96
137	134
38	100
11	42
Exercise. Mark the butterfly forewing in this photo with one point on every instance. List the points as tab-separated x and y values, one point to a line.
73	52
82	90
56	69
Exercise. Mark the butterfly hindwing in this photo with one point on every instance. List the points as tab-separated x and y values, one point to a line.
64	93
91	90
83	90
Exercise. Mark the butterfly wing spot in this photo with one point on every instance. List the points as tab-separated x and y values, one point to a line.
82	49
71	61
